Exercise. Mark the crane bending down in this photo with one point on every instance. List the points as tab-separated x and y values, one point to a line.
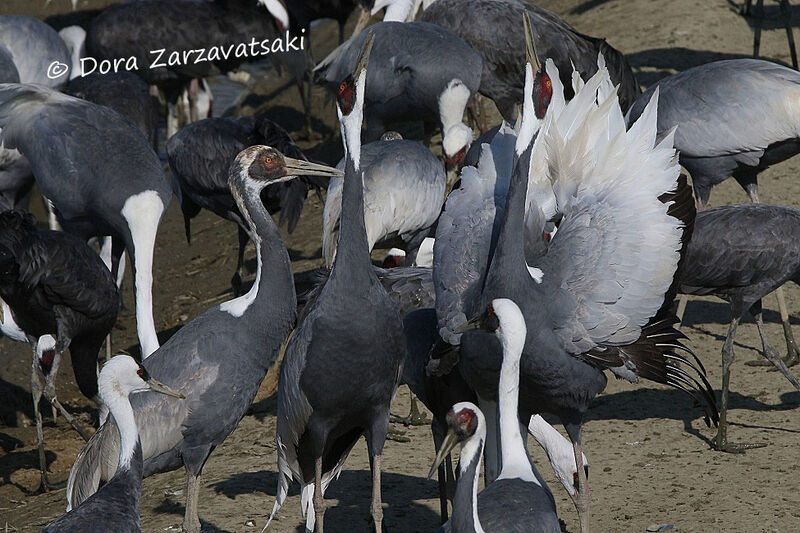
101	175
56	294
404	185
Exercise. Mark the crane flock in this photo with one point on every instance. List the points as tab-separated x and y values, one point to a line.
533	256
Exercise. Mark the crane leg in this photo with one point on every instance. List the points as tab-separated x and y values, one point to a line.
36	393
720	441
377	505
682	301
792	353
759	16
414	418
581	498
772	356
787	20
191	522
319	498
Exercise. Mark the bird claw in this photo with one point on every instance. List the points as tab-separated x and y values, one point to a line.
734	447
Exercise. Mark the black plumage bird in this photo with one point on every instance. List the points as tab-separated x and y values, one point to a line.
153	30
200	156
56	294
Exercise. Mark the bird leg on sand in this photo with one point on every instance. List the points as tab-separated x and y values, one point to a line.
191	521
720	441
319	498
377	504
194	90
758	15
581	496
414	418
682	301
792	353
773	356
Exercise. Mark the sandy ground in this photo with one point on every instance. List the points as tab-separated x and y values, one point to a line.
648	448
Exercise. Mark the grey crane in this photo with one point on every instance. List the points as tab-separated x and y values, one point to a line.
200	155
32	46
422	72
492	28
404	185
734	118
741	253
352	333
115	507
99	172
601	301
219	359
58	295
16	180
35	48
518	499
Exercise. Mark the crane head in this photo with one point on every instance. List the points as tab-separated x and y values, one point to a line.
268	165
464	421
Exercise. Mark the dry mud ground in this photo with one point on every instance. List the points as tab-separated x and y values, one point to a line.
649	450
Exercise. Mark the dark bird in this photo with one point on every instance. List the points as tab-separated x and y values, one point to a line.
101	175
741	253
123	92
352	333
404	186
115	507
421	72
217	360
200	156
492	28
151	31
599	300
57	294
518	500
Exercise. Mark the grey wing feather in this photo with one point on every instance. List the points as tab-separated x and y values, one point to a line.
96	463
466	234
410	287
719	107
8	71
34	46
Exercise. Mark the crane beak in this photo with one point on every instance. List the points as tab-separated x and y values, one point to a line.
472	325
363	56
530	44
450	442
157	386
298	167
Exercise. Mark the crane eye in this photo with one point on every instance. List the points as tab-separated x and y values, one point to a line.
342	86
490	310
